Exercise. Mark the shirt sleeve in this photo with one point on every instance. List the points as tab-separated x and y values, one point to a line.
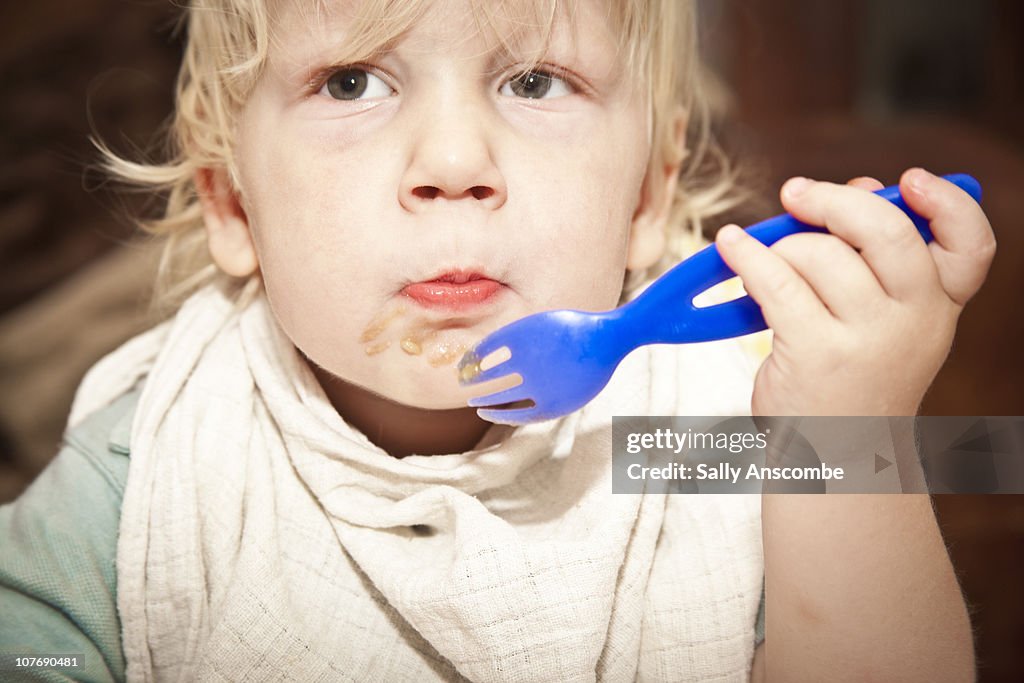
58	559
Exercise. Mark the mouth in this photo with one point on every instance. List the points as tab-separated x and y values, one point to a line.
454	290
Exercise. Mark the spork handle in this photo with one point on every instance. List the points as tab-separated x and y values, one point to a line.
665	314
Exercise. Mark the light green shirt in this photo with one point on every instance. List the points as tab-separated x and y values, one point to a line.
58	551
58	548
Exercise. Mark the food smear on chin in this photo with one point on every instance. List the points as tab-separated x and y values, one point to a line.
414	337
446	353
411	346
377	326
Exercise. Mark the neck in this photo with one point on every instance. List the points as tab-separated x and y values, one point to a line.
402	430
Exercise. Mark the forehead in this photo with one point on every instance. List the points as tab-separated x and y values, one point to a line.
523	30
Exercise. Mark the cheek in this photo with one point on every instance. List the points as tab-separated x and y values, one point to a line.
292	202
312	256
586	206
313	216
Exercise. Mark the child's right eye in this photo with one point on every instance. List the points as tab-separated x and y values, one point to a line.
355	83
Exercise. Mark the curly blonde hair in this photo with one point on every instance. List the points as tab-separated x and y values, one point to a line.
227	44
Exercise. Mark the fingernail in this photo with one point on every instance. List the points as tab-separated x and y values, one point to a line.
730	234
796	186
919	179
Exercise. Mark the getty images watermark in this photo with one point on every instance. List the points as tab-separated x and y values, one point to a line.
818	455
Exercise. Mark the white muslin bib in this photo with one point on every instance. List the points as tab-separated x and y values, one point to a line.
263	538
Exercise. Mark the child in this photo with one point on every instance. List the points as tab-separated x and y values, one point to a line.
374	186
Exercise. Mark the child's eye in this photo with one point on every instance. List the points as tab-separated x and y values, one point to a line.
536	85
354	83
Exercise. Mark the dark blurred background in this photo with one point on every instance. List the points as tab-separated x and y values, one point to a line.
830	90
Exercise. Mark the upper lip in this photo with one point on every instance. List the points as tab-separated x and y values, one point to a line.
459	276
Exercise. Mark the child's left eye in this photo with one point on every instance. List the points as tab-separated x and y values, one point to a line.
536	85
354	83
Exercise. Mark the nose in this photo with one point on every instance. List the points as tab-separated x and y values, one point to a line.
452	158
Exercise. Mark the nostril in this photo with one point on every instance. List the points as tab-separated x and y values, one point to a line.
425	192
430	192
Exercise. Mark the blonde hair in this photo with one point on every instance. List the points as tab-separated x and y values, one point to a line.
227	47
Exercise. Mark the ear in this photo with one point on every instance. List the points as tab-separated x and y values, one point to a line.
227	227
647	235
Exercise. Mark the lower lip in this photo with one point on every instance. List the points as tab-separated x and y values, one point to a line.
451	295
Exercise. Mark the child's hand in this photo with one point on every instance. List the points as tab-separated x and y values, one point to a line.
861	333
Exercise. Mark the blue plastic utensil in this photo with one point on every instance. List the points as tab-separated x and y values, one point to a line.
566	357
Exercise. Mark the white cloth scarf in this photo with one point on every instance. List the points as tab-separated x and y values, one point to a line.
263	538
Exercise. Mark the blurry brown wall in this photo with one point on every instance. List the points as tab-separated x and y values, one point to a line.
63	62
70	291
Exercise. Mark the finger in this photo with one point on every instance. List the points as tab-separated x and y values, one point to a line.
865	183
964	243
886	237
835	271
785	298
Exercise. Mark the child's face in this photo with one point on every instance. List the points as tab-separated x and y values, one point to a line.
434	162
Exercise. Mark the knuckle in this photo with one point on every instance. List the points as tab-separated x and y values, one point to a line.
948	198
833	250
780	286
985	252
818	251
898	230
824	253
792	246
831	204
864	182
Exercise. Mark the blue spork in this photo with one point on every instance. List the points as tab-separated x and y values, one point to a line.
566	357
